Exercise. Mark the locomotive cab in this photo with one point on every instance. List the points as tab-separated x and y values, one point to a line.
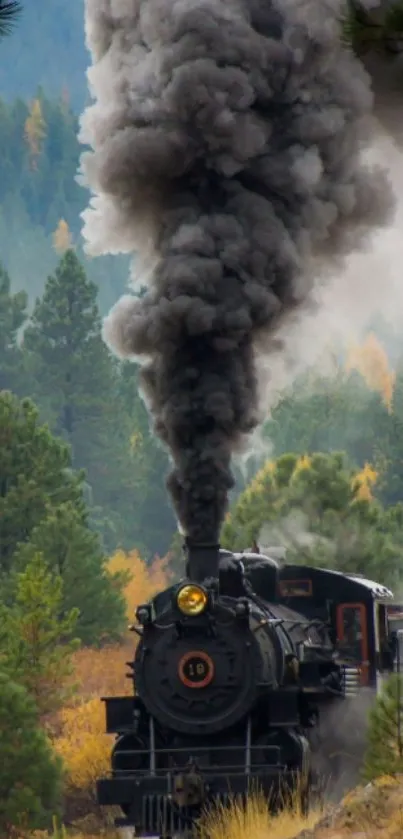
356	612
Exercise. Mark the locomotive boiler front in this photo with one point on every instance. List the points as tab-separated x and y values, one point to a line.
205	657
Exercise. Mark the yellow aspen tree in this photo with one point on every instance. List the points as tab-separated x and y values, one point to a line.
144	581
101	672
35	132
364	481
371	361
83	745
62	240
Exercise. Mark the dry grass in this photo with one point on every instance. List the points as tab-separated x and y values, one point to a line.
235	822
253	820
374	812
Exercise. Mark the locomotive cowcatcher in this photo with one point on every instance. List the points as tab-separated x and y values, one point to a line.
236	668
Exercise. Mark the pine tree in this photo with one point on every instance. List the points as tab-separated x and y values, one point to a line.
42	510
34	475
378	27
72	552
30	773
384	754
13	313
330	414
314	507
9	11
75	387
39	635
392	446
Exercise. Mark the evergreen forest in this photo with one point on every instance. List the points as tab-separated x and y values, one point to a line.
87	531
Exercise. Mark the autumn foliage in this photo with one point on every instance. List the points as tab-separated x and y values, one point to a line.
143	581
364	481
35	132
371	361
62	239
101	672
80	737
322	511
83	745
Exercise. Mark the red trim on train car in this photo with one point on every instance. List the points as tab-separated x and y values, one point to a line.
364	646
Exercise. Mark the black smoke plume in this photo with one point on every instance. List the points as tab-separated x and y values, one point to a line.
227	142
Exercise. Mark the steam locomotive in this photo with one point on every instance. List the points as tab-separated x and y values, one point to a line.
236	671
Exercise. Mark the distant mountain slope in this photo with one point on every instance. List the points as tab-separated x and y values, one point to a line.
46	49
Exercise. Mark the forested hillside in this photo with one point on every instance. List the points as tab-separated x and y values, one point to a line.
51	53
53	297
40	200
90	401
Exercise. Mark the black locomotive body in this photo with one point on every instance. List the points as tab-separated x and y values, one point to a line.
236	667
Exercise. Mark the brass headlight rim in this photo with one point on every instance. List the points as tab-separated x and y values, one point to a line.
201	590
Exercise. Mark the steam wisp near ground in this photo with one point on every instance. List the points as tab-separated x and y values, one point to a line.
226	152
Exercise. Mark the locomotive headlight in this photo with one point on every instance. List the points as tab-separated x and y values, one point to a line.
191	600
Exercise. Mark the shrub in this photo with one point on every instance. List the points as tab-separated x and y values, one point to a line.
384	755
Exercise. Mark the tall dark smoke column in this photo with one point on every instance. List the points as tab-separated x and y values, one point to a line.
226	144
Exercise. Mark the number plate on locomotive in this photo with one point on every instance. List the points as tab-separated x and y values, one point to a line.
196	669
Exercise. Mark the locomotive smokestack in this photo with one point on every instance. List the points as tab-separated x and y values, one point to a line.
202	561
